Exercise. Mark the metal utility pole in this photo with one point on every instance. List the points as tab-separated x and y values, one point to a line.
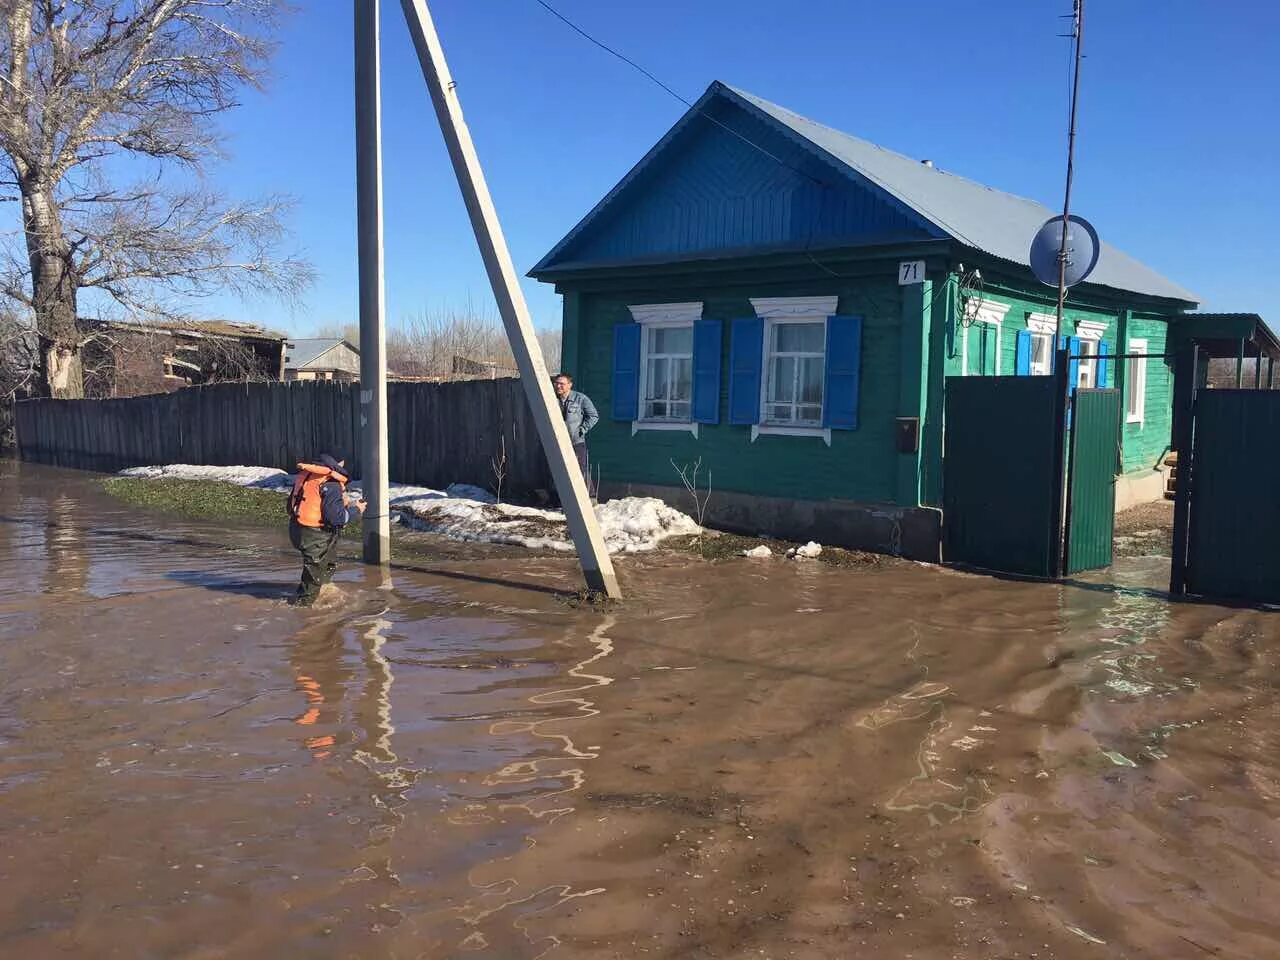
596	565
374	473
1078	32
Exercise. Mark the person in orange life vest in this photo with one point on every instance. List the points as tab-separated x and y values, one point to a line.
319	507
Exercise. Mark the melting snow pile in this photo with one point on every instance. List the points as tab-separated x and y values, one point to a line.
758	553
467	512
630	525
810	551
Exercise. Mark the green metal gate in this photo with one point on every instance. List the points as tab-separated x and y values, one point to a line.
1002	477
1233	477
1094	464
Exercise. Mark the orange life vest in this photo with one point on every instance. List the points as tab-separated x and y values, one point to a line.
306	501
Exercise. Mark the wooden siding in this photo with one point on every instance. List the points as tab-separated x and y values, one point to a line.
715	192
1143	444
860	465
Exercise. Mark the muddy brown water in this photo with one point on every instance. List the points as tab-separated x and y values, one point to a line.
744	759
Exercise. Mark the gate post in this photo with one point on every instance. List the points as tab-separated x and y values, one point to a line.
1185	374
1061	406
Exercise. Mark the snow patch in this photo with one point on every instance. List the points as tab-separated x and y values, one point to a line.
467	512
758	553
810	551
266	478
629	525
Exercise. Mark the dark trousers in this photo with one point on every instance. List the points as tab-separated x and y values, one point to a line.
318	547
584	464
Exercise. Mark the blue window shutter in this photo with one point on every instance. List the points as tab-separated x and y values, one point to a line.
844	362
1104	351
706	371
1073	365
1022	361
626	371
746	350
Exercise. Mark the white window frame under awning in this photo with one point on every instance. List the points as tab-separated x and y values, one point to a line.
1136	373
1042	325
661	315
796	309
991	313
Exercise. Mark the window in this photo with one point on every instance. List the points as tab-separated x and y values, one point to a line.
794	366
667	364
1041	354
1135	383
1089	335
980	340
655	379
1088	375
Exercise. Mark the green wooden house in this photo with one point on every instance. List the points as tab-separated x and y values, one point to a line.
783	302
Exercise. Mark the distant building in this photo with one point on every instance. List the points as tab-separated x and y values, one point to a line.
326	358
130	359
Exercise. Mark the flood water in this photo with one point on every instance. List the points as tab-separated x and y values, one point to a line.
744	759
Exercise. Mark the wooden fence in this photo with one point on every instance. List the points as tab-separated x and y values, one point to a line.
439	433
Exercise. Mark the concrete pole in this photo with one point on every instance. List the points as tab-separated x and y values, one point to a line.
596	565
374	472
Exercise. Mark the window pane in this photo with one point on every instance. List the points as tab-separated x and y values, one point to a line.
679	410
809	413
1040	350
801	337
778	413
782	383
656	409
682	379
671	340
658	377
811	373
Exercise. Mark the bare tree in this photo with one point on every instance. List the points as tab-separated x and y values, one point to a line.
86	82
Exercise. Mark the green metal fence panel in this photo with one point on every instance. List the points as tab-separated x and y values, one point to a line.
999	473
1234	539
1095	462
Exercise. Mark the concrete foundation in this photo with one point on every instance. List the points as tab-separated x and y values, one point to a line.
1135	488
914	533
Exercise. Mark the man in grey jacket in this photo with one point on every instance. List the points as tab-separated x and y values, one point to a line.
579	417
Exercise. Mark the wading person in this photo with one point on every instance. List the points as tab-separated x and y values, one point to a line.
319	507
579	416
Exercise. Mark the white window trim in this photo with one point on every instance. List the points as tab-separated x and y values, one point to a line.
1042	323
1090	330
768	430
683	426
1136	368
670	313
662	315
794	310
989	312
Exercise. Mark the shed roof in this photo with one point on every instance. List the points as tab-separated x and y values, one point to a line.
207	328
1224	335
301	354
988	220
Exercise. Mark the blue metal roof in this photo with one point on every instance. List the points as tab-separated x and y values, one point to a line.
991	221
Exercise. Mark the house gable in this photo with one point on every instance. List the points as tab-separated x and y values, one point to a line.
727	181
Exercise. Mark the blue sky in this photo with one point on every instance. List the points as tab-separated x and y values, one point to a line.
1176	163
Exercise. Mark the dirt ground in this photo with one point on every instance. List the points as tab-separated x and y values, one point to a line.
742	759
1145	530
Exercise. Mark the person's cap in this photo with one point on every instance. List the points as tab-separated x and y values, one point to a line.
332	460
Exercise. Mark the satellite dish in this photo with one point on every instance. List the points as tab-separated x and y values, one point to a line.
1083	248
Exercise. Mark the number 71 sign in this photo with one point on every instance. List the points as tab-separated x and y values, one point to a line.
910	271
